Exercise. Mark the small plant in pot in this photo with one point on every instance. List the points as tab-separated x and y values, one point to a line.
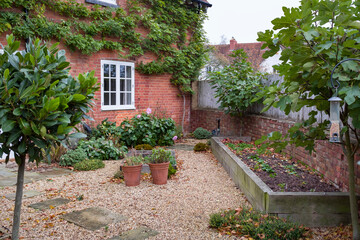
132	170
159	165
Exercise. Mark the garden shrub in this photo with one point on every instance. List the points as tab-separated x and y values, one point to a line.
143	147
100	148
108	130
201	133
249	222
147	129
72	157
201	147
89	165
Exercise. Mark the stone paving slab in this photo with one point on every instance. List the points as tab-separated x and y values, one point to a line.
93	218
136	234
184	147
8	175
49	203
26	194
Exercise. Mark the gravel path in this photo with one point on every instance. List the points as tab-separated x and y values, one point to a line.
178	210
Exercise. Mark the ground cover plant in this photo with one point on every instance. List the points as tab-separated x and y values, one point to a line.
280	173
254	225
89	165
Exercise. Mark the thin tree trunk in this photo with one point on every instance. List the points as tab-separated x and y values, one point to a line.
353	200
18	199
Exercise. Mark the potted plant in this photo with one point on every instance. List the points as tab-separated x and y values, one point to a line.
159	165
132	170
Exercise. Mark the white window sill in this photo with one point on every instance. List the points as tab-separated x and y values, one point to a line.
115	108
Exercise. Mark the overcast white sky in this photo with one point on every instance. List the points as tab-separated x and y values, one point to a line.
242	19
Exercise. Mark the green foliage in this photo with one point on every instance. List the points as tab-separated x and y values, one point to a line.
249	222
171	171
314	38
160	155
89	165
236	84
201	147
133	161
107	130
100	148
119	175
88	30
147	129
40	102
143	147
201	133
72	157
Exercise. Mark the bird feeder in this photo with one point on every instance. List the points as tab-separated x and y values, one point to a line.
335	119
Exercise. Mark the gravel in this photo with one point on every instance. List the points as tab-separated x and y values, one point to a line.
178	210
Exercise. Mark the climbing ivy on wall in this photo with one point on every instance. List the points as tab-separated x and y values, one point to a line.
175	33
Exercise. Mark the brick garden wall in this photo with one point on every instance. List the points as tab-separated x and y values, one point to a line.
208	119
328	159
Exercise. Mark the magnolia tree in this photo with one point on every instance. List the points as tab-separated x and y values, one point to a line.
40	105
314	38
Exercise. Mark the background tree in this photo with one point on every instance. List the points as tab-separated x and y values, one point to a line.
236	84
40	105
315	37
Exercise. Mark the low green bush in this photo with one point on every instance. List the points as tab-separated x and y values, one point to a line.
143	147
171	170
147	129
199	147
72	157
119	175
89	165
100	148
107	130
243	221
201	133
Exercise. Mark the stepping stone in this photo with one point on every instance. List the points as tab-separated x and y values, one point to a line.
136	234
93	218
49	203
182	147
26	194
55	172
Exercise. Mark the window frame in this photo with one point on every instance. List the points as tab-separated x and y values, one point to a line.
117	106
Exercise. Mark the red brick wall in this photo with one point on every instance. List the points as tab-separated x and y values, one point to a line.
328	158
208	119
154	91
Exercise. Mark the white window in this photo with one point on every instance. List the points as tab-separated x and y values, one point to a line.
117	85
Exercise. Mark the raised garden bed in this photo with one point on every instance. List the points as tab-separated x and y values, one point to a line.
313	209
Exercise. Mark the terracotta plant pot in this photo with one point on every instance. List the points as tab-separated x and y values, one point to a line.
132	175
159	172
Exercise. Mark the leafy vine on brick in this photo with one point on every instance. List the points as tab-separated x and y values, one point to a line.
175	33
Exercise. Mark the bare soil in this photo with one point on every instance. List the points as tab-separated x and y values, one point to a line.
282	174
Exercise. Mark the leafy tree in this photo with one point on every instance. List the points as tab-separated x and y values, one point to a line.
40	105
314	38
236	84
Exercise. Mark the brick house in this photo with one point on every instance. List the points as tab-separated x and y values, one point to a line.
125	91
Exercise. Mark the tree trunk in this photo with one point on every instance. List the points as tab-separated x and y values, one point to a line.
18	199
353	200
